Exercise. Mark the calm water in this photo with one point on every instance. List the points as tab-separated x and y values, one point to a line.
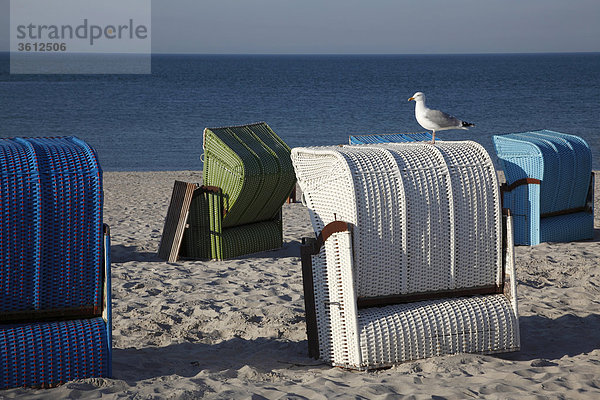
155	122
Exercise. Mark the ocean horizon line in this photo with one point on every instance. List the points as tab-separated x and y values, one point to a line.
536	53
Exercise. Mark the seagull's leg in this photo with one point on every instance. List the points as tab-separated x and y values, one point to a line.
433	137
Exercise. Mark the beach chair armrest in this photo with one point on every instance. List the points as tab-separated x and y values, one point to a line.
518	197
508	269
312	247
107	309
522	197
590	195
509	280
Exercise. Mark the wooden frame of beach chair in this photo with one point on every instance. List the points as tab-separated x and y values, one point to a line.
55	308
385	284
549	185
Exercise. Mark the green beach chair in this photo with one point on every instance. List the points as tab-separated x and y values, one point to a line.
248	175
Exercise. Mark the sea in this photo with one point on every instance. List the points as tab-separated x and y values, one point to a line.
154	122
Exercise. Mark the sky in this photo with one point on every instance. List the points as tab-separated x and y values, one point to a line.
365	26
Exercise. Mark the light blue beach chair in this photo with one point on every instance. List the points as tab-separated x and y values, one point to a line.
549	185
390	138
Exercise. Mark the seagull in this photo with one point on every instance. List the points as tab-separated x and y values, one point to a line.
435	120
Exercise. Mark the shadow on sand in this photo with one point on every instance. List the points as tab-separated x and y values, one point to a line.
541	338
188	359
120	254
568	335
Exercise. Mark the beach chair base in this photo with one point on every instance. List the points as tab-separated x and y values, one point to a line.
205	237
47	354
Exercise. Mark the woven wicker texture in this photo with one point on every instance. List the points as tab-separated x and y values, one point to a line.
50	225
425	219
252	166
480	324
414	207
563	164
205	237
567	228
50	353
250	175
390	138
54	263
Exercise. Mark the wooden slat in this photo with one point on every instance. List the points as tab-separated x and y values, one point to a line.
175	221
312	332
565	212
328	230
520	182
380	301
50	315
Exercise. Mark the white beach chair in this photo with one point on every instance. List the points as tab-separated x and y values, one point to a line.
411	258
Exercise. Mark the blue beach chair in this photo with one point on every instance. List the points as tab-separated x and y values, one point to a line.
390	138
55	315
549	185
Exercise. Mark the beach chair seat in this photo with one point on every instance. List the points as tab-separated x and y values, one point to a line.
549	185
410	258
206	237
54	263
248	175
390	138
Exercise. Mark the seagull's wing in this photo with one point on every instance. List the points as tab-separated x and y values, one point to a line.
442	119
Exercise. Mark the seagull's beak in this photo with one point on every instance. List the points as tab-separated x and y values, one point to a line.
411	99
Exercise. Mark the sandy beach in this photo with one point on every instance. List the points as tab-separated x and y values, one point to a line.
235	329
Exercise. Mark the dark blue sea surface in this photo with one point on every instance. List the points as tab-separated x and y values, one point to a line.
155	122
